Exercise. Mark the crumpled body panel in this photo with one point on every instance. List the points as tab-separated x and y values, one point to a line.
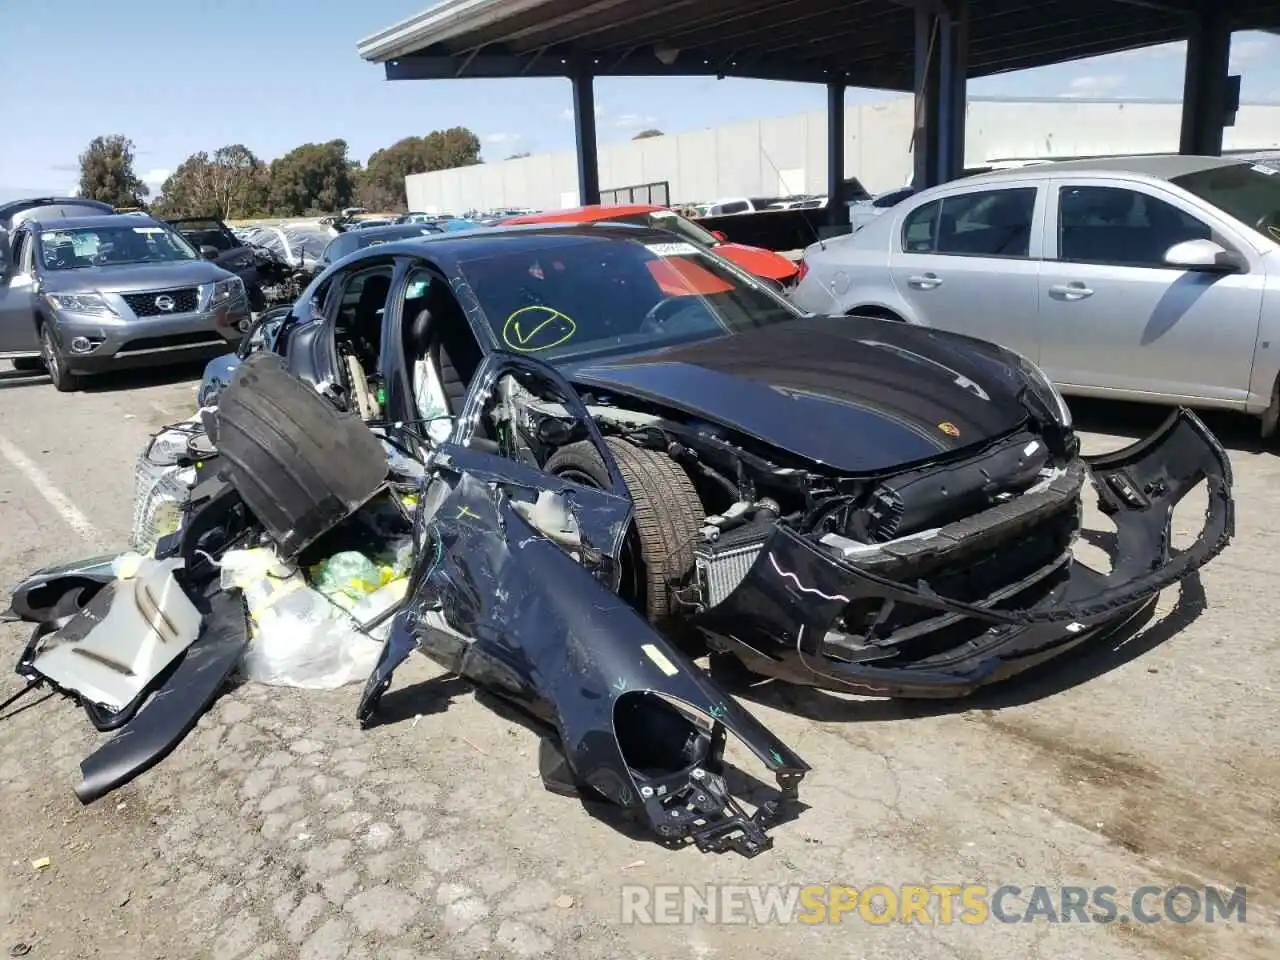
502	604
781	619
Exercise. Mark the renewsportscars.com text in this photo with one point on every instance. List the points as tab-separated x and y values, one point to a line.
970	904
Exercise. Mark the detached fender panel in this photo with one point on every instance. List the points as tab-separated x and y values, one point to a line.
503	604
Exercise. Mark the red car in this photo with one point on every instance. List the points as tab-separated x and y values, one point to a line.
755	260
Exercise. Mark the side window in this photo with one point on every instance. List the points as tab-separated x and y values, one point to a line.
919	229
989	223
738	206
1114	225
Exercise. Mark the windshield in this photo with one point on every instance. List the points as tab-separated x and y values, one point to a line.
666	220
574	297
307	241
1247	191
74	249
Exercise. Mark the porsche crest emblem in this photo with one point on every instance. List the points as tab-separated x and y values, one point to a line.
949	428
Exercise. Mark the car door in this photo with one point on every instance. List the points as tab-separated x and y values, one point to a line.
1118	321
968	261
18	299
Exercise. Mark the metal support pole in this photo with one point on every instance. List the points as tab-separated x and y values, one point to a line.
836	210
584	130
954	92
1204	88
941	67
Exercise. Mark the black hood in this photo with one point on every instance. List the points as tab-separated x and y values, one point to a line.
856	394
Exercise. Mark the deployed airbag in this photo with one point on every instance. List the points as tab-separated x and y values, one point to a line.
300	465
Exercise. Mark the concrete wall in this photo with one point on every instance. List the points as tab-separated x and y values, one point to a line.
782	155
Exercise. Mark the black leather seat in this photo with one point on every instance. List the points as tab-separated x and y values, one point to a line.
440	333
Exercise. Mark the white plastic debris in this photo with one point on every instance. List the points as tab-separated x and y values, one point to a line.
298	638
150	621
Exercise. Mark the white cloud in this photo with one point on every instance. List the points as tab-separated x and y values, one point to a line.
1245	50
1178	49
1094	86
155	179
502	137
634	121
567	113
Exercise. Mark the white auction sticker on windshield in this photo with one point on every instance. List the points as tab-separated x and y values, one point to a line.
1269	171
671	249
148	229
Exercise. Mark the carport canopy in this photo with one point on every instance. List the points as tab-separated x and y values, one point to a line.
929	47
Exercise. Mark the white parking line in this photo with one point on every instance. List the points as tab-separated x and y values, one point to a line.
60	502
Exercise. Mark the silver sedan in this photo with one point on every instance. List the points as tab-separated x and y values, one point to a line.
1140	278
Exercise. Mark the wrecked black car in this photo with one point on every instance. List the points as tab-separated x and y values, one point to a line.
269	279
627	452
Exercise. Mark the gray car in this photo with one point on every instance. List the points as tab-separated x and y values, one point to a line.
86	295
1138	278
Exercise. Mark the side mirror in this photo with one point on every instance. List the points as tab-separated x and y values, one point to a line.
1203	255
208	252
720	235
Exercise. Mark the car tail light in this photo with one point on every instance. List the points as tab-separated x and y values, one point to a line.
802	269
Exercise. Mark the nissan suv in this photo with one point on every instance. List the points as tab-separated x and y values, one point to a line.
89	294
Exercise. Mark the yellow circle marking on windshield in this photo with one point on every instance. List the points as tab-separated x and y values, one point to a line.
535	328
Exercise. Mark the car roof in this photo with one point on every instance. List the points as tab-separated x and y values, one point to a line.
450	248
410	230
594	211
1164	166
86	223
26	203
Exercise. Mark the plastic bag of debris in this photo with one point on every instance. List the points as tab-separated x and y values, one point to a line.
298	638
349	577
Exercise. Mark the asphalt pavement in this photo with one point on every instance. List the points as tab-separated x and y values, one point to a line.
279	829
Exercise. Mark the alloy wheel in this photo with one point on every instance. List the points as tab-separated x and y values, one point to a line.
49	353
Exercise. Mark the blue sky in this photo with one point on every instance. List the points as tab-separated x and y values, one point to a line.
178	77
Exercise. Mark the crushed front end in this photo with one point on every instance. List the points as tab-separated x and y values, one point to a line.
979	596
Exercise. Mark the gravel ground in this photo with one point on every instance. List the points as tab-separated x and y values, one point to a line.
279	829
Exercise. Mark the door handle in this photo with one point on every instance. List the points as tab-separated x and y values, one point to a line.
1075	290
926	281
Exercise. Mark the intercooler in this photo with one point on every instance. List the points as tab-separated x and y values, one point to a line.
723	564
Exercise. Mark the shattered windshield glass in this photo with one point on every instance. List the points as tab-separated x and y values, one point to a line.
307	241
581	296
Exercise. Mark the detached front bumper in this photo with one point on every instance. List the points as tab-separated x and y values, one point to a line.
984	598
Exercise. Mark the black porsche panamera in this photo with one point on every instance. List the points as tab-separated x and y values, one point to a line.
629	448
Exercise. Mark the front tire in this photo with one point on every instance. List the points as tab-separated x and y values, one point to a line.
668	517
64	381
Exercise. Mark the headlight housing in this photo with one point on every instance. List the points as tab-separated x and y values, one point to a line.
93	304
1045	390
231	288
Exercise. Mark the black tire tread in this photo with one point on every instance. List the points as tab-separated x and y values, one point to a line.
668	511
